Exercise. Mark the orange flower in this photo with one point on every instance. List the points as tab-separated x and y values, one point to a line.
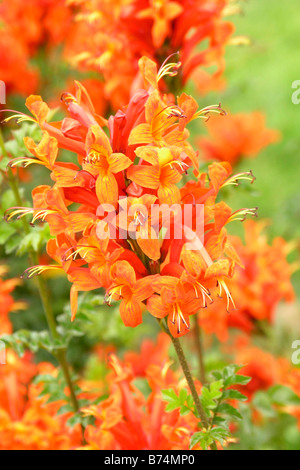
112	34
163	12
141	221
238	136
175	303
258	288
164	172
27	421
101	161
7	302
127	421
106	182
133	292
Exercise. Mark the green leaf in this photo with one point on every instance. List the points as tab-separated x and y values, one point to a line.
172	399
229	410
234	395
6	232
206	399
284	396
65	409
203	438
262	402
12	244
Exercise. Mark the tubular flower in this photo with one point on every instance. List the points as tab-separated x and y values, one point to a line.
264	282
132	292
7	302
27	421
105	164
25	31
111	34
162	12
120	213
240	136
175	303
127	420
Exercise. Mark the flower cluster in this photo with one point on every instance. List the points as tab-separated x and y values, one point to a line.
127	420
113	34
27	420
24	30
117	215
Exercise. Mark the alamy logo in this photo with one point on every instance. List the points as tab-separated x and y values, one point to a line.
296	94
2	353
296	354
2	92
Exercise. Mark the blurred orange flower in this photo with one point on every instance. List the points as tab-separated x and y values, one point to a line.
237	136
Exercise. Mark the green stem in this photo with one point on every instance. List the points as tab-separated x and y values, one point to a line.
199	348
187	373
2	146
61	356
186	370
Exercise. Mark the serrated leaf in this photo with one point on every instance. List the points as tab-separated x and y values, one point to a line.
169	395
234	395
74	420
184	410
65	409
229	410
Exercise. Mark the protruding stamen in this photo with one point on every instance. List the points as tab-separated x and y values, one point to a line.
17	212
112	293
198	288
235	179
183	166
242	214
178	318
38	270
170	69
77	252
139	218
20	117
42	214
24	161
223	286
205	113
68	98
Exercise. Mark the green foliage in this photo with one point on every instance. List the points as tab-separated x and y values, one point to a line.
106	327
10	234
184	402
15	147
216	400
275	429
207	438
36	340
34	241
53	388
